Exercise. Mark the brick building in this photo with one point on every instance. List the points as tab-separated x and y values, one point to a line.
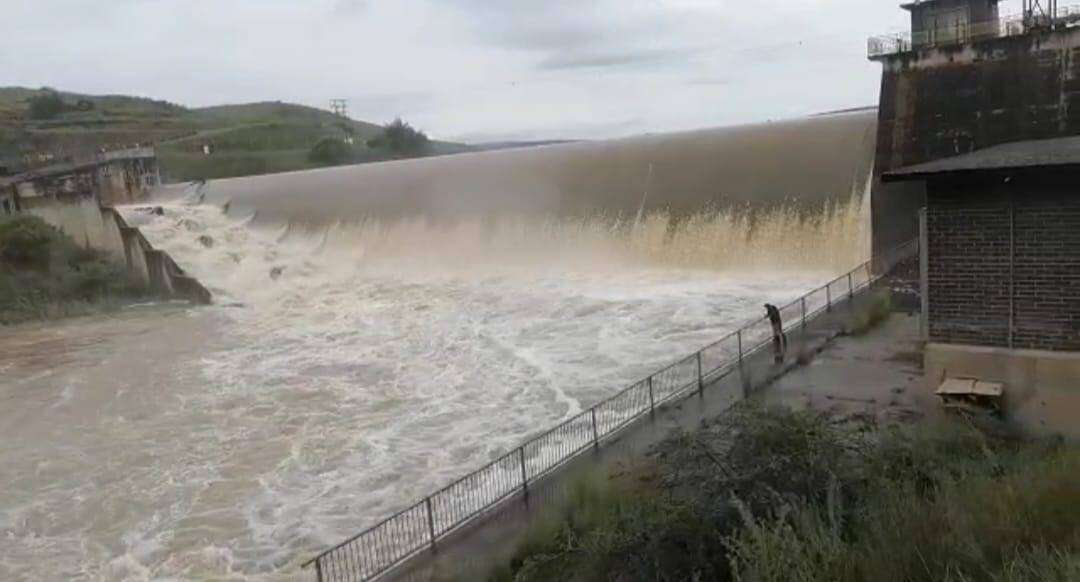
1001	273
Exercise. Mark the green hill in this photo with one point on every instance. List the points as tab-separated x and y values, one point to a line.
244	139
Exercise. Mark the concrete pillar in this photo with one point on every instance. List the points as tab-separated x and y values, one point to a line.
160	282
135	253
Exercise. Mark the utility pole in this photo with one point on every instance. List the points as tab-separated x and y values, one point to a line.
1040	12
340	107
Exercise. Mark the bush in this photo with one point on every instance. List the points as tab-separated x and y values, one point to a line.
330	151
772	495
401	138
1020	526
877	309
43	273
47	105
611	526
26	242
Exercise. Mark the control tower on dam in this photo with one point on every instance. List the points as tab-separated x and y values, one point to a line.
968	77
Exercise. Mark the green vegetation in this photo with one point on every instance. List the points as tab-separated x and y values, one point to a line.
875	310
401	139
46	106
44	274
245	139
770	495
330	151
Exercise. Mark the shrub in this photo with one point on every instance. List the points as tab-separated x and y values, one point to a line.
607	527
876	310
400	138
43	273
26	242
330	151
935	504
46	105
772	495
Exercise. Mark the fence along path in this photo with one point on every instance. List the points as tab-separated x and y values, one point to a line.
389	543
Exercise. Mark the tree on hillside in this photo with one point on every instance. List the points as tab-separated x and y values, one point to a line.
47	105
401	139
330	151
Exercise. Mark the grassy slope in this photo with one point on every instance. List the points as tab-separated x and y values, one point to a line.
247	138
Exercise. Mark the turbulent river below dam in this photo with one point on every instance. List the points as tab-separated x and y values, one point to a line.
352	363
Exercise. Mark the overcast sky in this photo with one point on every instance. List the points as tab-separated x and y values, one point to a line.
472	70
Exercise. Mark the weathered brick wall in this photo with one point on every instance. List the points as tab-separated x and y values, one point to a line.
1047	277
975	273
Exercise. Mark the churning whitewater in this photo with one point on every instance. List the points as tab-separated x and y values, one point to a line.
380	330
344	372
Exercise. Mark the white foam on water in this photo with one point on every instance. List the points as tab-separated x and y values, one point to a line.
344	373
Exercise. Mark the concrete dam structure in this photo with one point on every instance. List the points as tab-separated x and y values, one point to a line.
378	331
103	228
803	161
78	197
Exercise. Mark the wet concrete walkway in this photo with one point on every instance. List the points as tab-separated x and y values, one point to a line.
877	375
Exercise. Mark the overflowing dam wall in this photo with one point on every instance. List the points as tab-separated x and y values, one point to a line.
805	162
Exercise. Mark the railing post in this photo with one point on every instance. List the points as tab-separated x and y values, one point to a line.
595	433
524	475
802	300
738	337
828	297
850	287
430	522
318	570
652	399
700	378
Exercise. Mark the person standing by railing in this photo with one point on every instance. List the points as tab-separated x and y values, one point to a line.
779	340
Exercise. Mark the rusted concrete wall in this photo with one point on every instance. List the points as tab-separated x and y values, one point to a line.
941	102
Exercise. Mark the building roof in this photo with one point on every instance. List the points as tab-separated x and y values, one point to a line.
1042	153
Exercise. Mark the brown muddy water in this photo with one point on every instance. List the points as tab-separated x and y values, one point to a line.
380	330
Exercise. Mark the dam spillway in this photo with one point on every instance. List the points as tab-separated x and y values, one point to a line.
804	160
379	331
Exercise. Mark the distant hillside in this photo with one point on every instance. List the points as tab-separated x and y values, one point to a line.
509	145
244	139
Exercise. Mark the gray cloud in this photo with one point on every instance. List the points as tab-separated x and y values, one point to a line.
522	69
595	60
350	7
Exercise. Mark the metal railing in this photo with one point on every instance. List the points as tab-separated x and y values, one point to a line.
960	33
420	526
